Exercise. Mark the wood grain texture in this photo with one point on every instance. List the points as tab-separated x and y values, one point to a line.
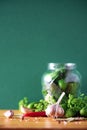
38	123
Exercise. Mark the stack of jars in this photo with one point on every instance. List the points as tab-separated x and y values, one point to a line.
60	78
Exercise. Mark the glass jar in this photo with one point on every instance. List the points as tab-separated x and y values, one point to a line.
60	78
72	79
50	88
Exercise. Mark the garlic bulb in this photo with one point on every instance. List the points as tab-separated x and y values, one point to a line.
59	111
54	111
50	111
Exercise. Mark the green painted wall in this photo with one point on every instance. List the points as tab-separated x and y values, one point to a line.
33	33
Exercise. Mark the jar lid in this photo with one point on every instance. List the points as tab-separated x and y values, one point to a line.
70	66
53	66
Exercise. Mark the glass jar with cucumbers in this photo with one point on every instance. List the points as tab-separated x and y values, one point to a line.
60	78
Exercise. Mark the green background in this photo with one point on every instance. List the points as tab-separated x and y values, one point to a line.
33	33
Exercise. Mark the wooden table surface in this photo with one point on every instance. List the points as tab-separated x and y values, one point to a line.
38	123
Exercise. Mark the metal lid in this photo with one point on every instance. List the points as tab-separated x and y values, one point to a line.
70	66
53	66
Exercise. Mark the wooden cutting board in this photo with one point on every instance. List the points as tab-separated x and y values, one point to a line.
39	123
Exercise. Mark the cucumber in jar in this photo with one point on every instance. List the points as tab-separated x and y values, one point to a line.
72	79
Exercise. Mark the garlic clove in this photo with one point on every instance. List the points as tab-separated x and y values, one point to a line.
24	109
9	114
